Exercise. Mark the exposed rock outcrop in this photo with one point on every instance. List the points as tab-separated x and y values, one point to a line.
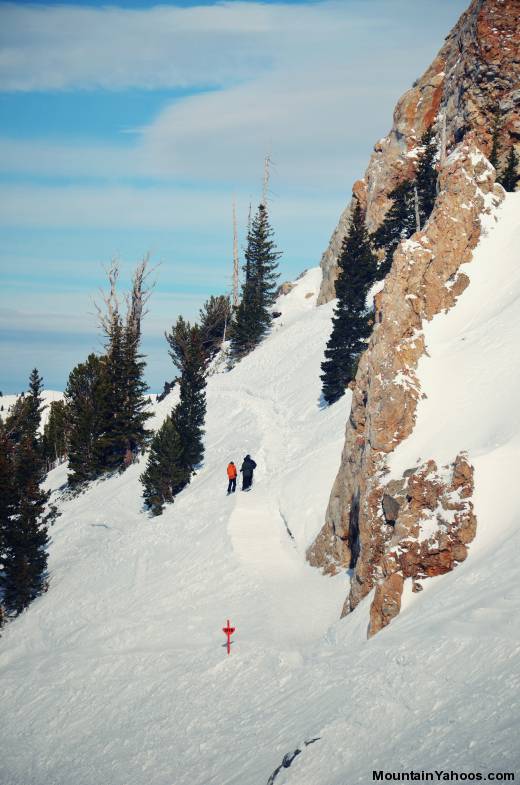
424	280
476	73
419	525
434	524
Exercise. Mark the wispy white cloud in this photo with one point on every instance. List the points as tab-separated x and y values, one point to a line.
132	207
61	47
314	83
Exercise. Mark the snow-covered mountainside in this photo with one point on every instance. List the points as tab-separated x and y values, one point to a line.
119	675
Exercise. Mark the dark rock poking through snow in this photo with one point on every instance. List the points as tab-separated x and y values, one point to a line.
288	759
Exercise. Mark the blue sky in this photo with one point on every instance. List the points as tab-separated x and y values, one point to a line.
130	129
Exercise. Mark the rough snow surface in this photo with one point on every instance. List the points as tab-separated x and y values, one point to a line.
118	674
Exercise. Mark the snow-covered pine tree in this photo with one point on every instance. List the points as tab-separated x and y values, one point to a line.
34	404
123	408
398	224
24	417
510	176
215	317
351	323
112	444
7	494
84	398
165	473
495	140
24	567
23	516
136	403
253	316
426	175
187	353
16	419
56	432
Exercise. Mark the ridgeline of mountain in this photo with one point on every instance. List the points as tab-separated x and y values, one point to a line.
375	520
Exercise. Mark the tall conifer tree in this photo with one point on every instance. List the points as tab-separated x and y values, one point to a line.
187	353
84	397
398	224
426	175
510	176
124	403
351	324
165	474
253	316
178	447
495	139
7	490
215	319
23	515
55	439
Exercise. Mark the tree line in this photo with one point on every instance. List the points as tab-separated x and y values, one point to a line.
100	426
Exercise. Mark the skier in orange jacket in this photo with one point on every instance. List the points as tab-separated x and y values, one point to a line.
232	477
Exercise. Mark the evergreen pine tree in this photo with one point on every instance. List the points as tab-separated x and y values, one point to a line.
165	474
15	422
426	175
7	492
34	405
84	397
351	324
187	353
123	407
56	433
111	447
25	415
510	176
136	406
24	568
215	318
495	140
253	317
398	224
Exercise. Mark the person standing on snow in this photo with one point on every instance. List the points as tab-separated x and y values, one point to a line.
232	477
248	467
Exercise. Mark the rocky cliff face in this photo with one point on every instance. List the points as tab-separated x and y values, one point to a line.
476	73
419	525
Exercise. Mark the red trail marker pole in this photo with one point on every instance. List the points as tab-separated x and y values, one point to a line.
229	632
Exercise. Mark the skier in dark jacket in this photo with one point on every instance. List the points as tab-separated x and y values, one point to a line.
248	467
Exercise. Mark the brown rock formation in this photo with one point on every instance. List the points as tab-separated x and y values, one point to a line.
424	280
433	527
476	72
419	525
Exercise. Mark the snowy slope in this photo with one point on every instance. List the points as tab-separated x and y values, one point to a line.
439	688
118	674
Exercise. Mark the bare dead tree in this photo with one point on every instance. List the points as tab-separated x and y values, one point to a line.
265	184
108	313
137	299
235	258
